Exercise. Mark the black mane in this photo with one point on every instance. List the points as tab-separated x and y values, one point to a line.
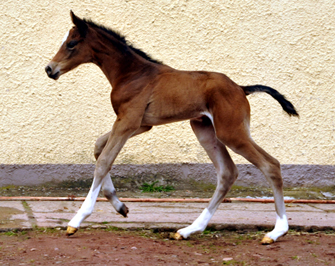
122	39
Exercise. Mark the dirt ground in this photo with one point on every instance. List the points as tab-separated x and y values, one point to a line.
113	246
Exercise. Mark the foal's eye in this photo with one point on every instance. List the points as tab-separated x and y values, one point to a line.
71	45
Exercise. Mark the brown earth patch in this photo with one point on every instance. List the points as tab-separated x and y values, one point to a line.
120	247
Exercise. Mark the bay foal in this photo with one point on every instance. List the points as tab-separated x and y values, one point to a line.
147	93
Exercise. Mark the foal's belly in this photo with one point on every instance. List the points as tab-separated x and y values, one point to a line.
158	114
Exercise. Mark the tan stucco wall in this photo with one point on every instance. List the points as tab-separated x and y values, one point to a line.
288	45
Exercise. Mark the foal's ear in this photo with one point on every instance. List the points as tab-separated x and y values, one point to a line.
81	24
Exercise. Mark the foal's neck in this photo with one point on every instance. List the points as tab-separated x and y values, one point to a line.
116	60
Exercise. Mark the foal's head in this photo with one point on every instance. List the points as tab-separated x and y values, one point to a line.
73	51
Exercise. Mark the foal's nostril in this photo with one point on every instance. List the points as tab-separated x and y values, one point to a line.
48	70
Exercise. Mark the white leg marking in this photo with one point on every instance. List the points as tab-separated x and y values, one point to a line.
109	191
198	225
280	229
87	208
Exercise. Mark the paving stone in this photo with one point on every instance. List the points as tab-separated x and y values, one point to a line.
238	215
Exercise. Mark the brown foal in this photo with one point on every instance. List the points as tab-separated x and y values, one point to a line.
147	93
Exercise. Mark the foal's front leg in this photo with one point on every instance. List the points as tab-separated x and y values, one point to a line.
110	194
107	183
86	208
122	131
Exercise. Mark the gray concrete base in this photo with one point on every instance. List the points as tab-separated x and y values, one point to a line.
163	216
183	174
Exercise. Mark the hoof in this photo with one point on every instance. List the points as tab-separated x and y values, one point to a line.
177	236
267	240
124	210
71	230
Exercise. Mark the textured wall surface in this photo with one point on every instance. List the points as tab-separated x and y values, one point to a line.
288	45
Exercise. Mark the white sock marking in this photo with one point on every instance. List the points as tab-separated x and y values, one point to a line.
108	186
198	225
280	229
87	208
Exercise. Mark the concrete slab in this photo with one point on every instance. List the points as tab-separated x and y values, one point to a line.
324	207
13	215
235	215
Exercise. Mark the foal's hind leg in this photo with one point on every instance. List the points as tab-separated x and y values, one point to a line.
226	174
241	142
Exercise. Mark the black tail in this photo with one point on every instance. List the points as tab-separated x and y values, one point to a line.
287	106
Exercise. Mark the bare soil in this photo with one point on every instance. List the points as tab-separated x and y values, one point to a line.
113	246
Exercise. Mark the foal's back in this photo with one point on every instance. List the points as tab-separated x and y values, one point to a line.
181	95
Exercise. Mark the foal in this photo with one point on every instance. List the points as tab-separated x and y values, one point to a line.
147	93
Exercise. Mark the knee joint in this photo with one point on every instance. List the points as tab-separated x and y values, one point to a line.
101	170
232	173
